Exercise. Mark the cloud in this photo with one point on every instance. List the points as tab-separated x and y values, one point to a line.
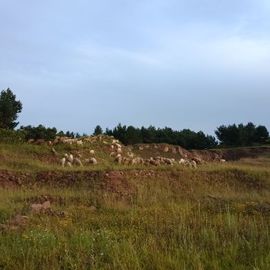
160	62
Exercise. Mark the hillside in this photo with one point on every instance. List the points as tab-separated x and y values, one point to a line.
118	215
41	155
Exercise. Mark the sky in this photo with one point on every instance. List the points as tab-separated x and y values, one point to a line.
193	64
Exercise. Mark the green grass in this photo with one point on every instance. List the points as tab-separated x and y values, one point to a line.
170	222
215	217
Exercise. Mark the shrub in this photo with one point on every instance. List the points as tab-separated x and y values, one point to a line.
11	136
39	132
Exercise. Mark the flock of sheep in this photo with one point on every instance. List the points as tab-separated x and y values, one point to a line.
119	154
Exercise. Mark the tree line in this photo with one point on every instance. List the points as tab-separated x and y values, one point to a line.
226	136
185	138
242	135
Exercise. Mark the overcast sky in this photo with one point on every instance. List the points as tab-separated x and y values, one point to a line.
180	63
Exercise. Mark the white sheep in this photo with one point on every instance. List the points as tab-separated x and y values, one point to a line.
182	161
69	158
93	161
63	162
119	150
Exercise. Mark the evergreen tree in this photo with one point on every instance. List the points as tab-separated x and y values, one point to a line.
261	134
98	130
242	135
9	109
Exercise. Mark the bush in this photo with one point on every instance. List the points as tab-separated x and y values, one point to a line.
11	136
39	132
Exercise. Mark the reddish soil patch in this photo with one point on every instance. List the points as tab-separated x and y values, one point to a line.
249	152
112	181
13	179
66	178
117	182
231	154
177	152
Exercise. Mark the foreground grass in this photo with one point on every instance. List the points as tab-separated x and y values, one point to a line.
215	217
170	221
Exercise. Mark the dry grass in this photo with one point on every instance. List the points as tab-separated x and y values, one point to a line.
215	217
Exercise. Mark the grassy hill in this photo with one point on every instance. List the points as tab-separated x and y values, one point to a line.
110	216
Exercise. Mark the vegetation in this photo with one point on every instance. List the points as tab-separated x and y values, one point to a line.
26	133
9	109
228	136
242	135
116	217
39	132
216	217
113	216
98	131
11	136
185	138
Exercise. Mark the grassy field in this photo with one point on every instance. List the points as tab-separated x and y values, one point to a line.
214	217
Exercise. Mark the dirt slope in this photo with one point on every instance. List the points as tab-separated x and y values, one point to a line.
177	152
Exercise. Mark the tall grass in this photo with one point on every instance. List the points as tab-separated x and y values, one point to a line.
173	220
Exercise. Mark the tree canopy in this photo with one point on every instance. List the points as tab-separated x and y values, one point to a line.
185	138
39	132
98	130
242	135
9	109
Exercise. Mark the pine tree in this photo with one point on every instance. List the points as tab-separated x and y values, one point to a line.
9	109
